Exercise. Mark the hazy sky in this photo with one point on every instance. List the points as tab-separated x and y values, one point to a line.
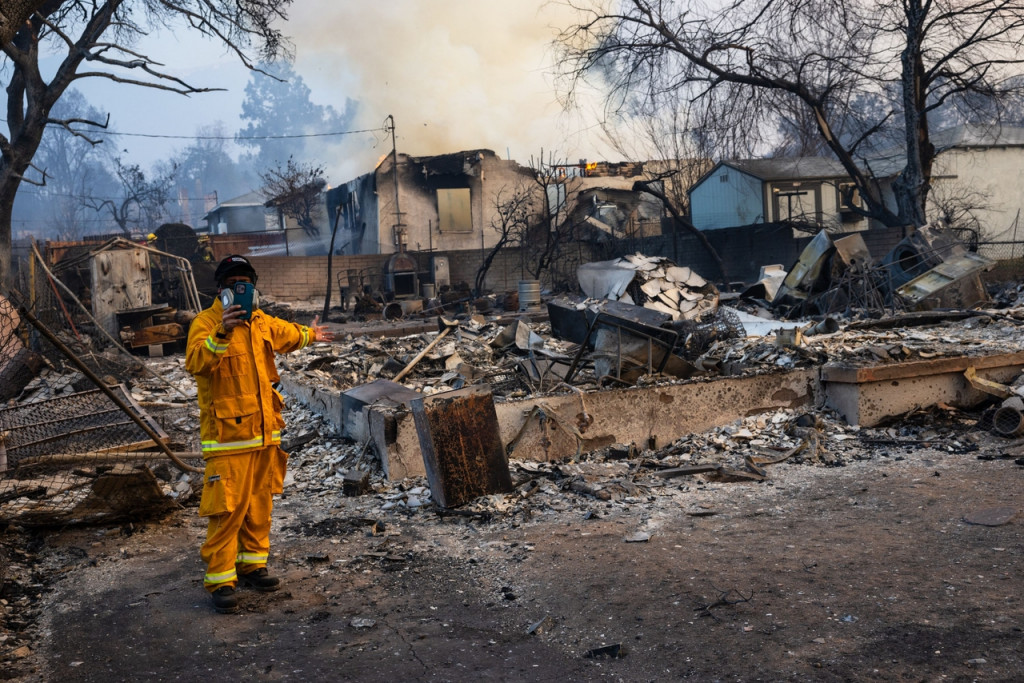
456	75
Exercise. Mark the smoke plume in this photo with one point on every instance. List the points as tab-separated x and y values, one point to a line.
455	74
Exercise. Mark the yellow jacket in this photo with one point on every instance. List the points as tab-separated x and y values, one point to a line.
239	409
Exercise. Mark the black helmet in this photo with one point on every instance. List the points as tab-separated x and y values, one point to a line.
233	265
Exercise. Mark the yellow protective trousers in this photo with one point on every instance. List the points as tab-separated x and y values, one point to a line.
237	498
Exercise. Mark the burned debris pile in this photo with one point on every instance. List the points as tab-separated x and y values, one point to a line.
930	268
613	342
78	447
643	323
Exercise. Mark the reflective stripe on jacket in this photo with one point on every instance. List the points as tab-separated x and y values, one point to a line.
239	409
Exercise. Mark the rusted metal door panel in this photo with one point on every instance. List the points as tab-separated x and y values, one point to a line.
461	444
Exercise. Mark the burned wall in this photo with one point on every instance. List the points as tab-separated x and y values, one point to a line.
435	212
359	218
303	278
744	251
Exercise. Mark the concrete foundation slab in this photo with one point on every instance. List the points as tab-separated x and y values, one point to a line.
355	400
559	426
865	395
396	441
326	402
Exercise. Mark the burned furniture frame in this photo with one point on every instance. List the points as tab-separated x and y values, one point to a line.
663	337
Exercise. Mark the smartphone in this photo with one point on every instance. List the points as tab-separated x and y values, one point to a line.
242	293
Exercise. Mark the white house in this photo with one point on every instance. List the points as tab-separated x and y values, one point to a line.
979	169
746	191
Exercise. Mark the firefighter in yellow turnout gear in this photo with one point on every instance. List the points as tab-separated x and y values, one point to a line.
231	354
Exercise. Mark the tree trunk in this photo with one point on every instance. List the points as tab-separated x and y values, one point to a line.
29	100
912	186
330	264
481	272
8	188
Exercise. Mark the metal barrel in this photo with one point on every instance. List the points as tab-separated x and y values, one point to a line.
529	295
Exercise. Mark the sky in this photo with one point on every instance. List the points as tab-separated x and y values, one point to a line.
455	74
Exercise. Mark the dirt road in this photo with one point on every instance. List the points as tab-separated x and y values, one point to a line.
862	572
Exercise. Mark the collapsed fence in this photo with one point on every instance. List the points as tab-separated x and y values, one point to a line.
75	445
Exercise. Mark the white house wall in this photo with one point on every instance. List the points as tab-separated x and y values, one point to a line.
727	199
996	177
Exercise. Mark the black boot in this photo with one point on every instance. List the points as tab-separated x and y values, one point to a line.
261	580
224	600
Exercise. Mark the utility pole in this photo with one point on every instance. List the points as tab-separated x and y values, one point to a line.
389	124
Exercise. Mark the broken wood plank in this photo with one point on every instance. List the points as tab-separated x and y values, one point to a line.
448	327
687	470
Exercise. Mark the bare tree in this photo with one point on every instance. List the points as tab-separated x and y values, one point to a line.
552	233
675	156
959	206
75	172
748	63
142	202
512	212
296	190
102	34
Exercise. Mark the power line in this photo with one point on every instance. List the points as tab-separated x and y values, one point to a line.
103	131
233	137
40	193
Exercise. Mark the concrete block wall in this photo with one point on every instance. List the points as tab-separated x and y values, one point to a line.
304	278
292	277
881	241
743	250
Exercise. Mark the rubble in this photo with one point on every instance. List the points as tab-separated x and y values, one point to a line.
929	269
523	359
626	478
653	282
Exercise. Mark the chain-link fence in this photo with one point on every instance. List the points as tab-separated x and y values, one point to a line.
75	447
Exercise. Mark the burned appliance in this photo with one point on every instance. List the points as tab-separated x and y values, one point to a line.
400	275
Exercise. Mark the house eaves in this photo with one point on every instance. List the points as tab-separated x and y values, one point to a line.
782	168
248	199
973	136
453	163
789	168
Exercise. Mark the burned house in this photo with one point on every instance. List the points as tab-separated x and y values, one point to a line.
613	212
444	202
